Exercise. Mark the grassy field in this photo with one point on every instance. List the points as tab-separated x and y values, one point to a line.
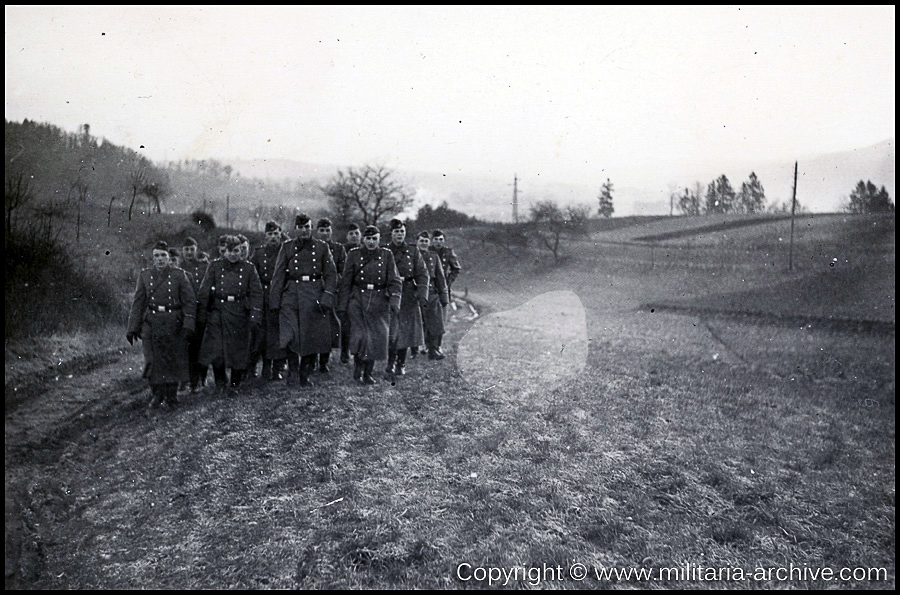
699	430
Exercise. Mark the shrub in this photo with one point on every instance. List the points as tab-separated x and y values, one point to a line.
204	220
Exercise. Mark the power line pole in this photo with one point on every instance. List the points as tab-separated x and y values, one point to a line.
793	208
515	202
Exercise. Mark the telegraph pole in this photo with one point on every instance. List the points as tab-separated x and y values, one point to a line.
515	202
793	208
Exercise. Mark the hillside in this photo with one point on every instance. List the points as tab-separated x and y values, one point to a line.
583	426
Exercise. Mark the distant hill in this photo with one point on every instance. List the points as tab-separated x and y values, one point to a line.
824	182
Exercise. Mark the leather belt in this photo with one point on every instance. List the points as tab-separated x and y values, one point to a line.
164	308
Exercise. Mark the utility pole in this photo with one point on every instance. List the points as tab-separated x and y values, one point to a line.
227	209
793	208
515	202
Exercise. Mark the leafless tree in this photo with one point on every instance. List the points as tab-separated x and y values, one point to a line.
551	222
368	193
137	178
18	194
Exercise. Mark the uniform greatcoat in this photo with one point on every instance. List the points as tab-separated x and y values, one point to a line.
340	258
368	286
267	342
164	304
303	287
406	327
438	297
231	298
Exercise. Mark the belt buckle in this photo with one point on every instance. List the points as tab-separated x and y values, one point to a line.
304	278
160	308
230	298
370	286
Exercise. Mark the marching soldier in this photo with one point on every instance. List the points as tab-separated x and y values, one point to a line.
406	326
452	269
438	298
303	287
369	295
230	301
324	231
266	343
196	270
354	237
162	315
222	240
354	240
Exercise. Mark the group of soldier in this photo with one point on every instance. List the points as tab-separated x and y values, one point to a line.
289	304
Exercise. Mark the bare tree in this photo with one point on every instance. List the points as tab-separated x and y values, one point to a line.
369	194
137	178
551	223
18	194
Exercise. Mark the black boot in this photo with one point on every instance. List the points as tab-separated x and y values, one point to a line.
358	368
307	365
367	372
345	355
400	368
267	370
293	361
172	394
279	369
392	360
323	363
159	395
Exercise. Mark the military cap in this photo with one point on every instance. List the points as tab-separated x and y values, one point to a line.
437	233
424	234
370	231
189	242
324	222
272	226
174	252
301	220
352	227
397	224
161	245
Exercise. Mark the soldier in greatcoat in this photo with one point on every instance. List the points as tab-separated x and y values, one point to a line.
370	292
231	299
438	297
163	316
450	263
406	326
196	270
266	343
354	240
324	231
303	287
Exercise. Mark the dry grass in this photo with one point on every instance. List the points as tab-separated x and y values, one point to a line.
686	439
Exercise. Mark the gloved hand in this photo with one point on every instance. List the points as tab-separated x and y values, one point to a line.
423	302
131	337
445	301
395	304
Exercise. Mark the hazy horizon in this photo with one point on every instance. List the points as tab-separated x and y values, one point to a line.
551	93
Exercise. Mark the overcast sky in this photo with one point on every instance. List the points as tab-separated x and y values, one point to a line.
565	93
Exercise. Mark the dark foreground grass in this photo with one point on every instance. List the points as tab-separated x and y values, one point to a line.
690	442
648	460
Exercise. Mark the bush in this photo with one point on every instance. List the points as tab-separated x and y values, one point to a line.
204	220
46	293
